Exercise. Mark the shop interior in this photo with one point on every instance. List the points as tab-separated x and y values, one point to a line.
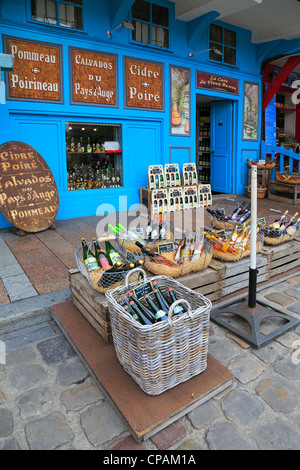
204	138
94	155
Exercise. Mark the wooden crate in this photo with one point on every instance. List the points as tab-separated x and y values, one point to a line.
207	282
283	258
91	303
236	274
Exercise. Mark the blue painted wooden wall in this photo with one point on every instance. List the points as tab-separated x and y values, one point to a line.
146	139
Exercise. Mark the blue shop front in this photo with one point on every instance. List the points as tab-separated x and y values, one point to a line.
103	89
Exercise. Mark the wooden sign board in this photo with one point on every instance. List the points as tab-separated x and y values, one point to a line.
143	84
211	81
28	193
36	73
93	77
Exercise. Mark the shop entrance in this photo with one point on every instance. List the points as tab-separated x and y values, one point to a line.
214	145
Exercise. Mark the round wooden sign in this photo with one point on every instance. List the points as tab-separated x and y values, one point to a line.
28	192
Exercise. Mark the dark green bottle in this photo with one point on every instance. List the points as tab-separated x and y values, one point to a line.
160	297
179	308
111	253
146	312
160	315
140	313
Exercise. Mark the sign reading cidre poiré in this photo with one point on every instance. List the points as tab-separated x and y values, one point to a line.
144	84
28	193
36	73
93	77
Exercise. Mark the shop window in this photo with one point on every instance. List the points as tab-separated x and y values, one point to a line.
224	40
58	12
94	155
151	24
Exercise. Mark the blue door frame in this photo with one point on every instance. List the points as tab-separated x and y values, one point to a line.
222	146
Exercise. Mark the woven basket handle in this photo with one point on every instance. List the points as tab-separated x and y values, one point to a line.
133	271
174	304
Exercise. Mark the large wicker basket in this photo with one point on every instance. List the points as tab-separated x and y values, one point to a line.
101	280
164	354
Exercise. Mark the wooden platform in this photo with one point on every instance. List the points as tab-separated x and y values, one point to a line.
145	415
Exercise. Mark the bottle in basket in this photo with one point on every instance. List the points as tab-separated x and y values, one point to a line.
111	254
179	308
142	311
160	297
181	244
88	257
103	261
160	315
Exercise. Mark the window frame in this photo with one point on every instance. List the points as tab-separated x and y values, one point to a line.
151	24
222	45
58	25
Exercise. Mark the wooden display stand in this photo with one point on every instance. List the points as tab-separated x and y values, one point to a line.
175	199
189	174
190	197
156	178
159	201
144	414
172	175
204	195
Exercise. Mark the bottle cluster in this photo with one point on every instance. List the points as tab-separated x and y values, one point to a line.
282	226
153	307
109	260
240	214
233	243
82	177
82	146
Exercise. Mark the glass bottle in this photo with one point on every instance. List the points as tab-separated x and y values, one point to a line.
111	253
159	314
103	261
89	147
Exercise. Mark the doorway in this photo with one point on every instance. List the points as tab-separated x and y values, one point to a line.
214	142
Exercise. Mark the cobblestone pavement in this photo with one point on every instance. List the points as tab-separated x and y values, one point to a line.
48	399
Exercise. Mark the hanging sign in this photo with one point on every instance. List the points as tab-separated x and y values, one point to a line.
217	82
144	84
93	77
36	73
28	192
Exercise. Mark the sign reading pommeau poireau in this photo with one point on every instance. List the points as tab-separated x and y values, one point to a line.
28	192
93	77
36	74
144	84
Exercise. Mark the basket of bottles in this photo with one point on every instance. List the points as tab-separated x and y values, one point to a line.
105	264
177	257
229	213
233	245
279	229
160	330
158	229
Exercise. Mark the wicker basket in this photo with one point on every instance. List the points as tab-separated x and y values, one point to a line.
261	192
164	354
277	236
184	265
101	280
262	166
227	206
233	252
